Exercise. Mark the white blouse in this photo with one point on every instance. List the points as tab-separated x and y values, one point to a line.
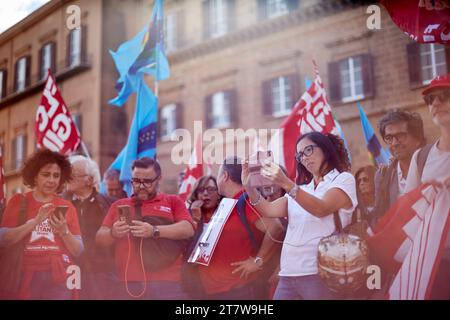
299	252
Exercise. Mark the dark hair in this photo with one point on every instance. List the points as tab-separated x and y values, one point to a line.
369	170
412	119
335	154
112	174
200	183
145	163
233	166
41	158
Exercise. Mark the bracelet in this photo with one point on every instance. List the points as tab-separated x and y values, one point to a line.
257	200
293	191
65	233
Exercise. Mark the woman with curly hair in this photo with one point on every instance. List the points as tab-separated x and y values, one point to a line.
48	239
323	186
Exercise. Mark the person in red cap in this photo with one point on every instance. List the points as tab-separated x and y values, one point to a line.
432	164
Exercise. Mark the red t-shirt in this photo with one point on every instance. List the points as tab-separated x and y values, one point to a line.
234	245
42	240
163	205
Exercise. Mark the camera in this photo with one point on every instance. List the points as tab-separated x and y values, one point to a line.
256	162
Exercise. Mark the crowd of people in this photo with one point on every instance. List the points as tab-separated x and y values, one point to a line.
138	246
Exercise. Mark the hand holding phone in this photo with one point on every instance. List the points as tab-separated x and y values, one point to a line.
60	212
256	162
125	214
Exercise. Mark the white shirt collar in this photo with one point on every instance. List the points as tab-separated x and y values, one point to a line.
330	176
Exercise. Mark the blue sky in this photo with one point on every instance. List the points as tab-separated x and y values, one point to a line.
12	12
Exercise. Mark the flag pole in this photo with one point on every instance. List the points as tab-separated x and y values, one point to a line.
85	150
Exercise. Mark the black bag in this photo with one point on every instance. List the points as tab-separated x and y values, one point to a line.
161	252
11	261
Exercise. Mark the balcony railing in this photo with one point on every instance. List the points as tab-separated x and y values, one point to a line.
62	71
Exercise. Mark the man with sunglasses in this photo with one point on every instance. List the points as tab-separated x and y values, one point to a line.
137	281
432	164
403	133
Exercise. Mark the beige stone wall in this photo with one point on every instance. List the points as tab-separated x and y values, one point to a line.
241	60
81	92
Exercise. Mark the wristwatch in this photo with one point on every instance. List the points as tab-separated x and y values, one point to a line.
259	262
155	232
293	191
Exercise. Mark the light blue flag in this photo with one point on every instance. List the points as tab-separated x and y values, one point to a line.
377	154
152	59
142	136
144	54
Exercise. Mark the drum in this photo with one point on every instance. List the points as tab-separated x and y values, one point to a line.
342	262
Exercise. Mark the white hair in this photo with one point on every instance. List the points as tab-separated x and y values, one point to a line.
91	167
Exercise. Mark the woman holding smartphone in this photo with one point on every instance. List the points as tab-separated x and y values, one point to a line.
323	186
202	202
44	227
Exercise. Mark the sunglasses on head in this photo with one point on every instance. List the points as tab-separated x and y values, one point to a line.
443	97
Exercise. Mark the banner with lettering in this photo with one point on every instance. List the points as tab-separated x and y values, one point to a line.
54	128
425	21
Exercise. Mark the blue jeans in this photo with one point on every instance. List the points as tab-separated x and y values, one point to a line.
156	290
303	288
43	288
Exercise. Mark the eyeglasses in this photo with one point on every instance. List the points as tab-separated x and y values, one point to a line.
308	151
443	97
78	176
363	179
401	137
208	189
147	183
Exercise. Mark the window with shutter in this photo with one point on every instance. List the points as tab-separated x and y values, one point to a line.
276	8
3	81
281	88
21	74
74	47
221	115
218	18
170	31
19	151
351	79
46	57
168	120
432	61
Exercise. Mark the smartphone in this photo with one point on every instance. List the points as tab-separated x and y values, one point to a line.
60	211
256	162
125	214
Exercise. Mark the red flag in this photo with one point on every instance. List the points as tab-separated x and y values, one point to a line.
311	113
194	171
423	20
409	241
54	128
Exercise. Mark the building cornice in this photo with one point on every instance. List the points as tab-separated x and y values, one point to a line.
32	19
263	29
